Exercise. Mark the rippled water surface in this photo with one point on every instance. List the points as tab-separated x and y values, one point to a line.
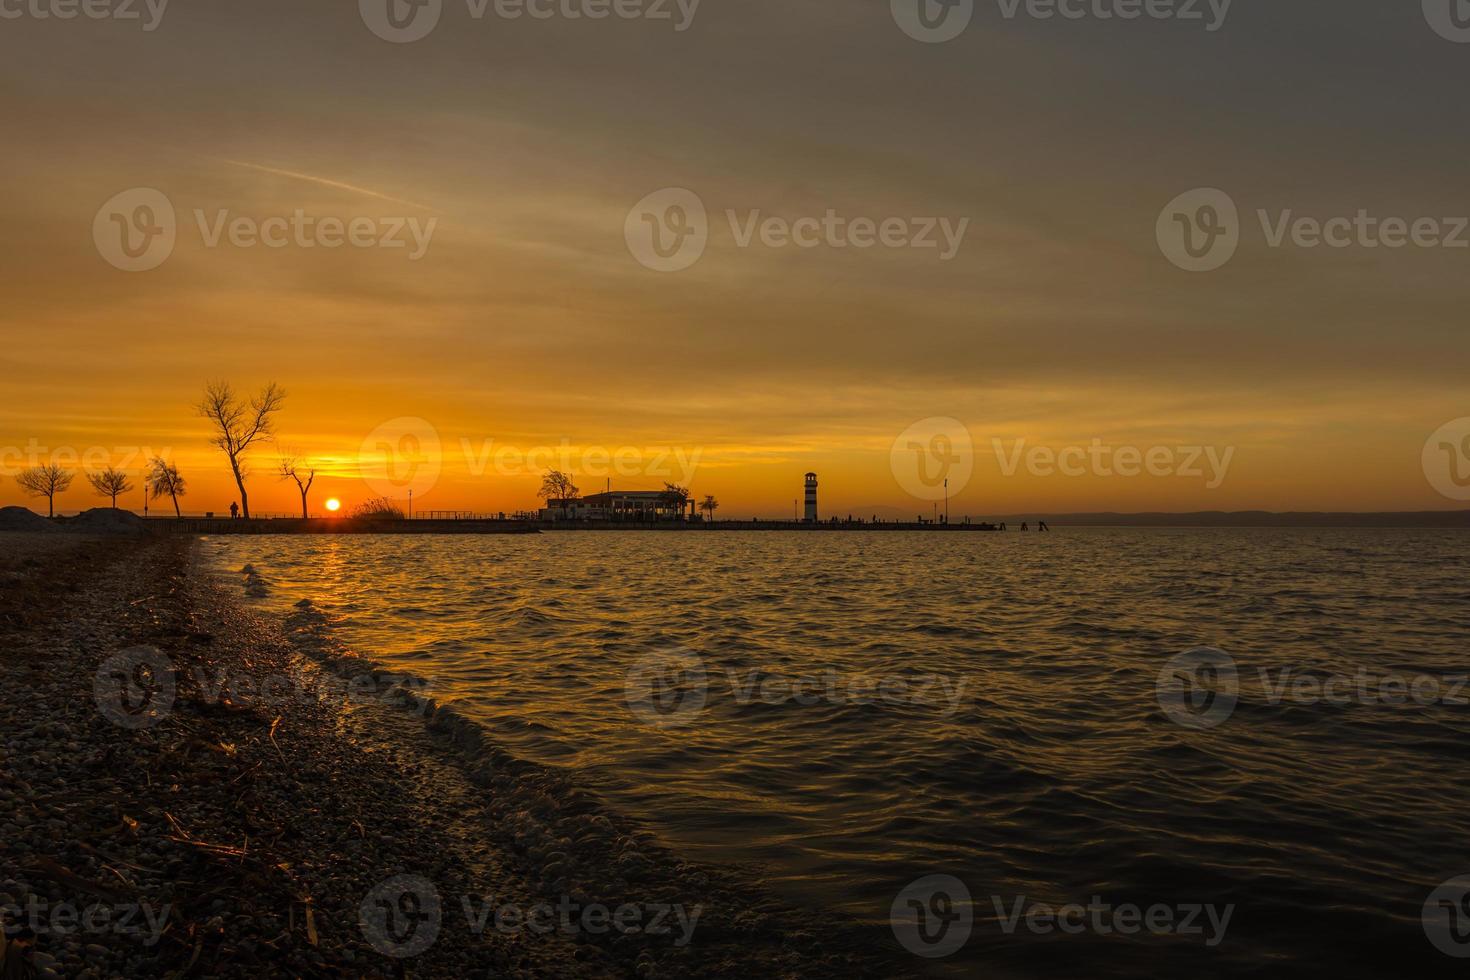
980	705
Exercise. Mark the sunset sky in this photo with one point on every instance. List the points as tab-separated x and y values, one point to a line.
528	323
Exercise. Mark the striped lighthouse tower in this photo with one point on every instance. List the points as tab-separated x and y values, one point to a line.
811	498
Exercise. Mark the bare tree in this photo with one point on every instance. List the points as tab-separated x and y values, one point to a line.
238	424
558	486
110	483
163	480
709	505
45	481
302	471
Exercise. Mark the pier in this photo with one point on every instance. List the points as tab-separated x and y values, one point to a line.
473	525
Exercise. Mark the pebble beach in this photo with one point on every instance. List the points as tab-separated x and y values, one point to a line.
186	789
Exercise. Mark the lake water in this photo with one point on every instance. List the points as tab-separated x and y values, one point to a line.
847	714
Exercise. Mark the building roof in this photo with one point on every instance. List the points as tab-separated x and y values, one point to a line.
626	495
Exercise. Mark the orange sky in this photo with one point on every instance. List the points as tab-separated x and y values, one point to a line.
527	323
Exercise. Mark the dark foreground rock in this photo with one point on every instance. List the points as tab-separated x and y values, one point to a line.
182	793
24	519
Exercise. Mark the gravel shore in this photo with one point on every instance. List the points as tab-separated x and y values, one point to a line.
184	792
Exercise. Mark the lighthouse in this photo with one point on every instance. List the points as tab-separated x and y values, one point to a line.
811	498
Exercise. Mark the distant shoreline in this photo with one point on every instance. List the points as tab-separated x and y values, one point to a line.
131	522
1014	523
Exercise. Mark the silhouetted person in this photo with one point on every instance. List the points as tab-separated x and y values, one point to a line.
234	510
1041	526
1024	527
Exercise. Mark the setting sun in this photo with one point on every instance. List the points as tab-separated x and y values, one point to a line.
334	505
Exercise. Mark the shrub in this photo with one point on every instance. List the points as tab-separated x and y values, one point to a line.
379	509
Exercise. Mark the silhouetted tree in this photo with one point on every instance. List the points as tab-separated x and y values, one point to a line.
676	498
558	486
709	505
238	424
302	471
164	481
110	483
45	481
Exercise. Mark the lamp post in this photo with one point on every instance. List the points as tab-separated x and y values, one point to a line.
410	503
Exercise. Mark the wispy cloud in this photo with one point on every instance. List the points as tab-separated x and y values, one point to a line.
325	182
